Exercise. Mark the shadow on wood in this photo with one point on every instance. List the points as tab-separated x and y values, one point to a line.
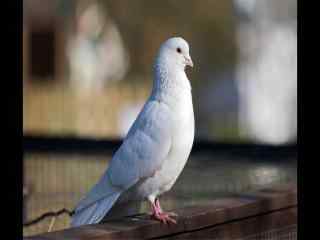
270	210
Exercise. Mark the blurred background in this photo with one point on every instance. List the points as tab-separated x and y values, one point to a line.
87	72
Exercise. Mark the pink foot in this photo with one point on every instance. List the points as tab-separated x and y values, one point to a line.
160	215
164	218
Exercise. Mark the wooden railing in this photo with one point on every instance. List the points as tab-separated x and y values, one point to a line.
267	211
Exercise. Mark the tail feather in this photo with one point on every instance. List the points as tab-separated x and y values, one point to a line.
94	213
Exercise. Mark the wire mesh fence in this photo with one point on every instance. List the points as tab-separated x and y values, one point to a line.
53	181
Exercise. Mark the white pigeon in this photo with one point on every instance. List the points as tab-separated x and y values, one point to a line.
156	148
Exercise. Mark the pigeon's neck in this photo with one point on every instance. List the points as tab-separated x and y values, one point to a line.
170	80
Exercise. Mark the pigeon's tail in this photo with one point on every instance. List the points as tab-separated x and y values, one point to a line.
95	212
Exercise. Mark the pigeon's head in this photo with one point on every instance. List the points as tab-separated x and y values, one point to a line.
175	52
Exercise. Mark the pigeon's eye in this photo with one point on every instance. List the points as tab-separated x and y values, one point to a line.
179	50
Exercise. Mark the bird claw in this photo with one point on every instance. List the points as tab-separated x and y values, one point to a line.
159	215
165	217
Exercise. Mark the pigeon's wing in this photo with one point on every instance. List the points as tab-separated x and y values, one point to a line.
145	147
140	155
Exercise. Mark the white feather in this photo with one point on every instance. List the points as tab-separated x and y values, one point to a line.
157	146
95	212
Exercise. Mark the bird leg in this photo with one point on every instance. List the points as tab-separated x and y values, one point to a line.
160	215
172	214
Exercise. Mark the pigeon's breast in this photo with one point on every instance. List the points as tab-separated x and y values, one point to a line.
182	140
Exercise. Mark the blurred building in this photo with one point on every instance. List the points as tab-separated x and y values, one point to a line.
71	38
44	41
71	51
77	50
267	70
95	51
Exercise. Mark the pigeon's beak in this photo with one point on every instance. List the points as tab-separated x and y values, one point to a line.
189	61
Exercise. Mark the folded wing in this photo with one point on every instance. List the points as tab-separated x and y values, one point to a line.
140	156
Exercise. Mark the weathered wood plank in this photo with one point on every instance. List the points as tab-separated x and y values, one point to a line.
242	228
238	208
